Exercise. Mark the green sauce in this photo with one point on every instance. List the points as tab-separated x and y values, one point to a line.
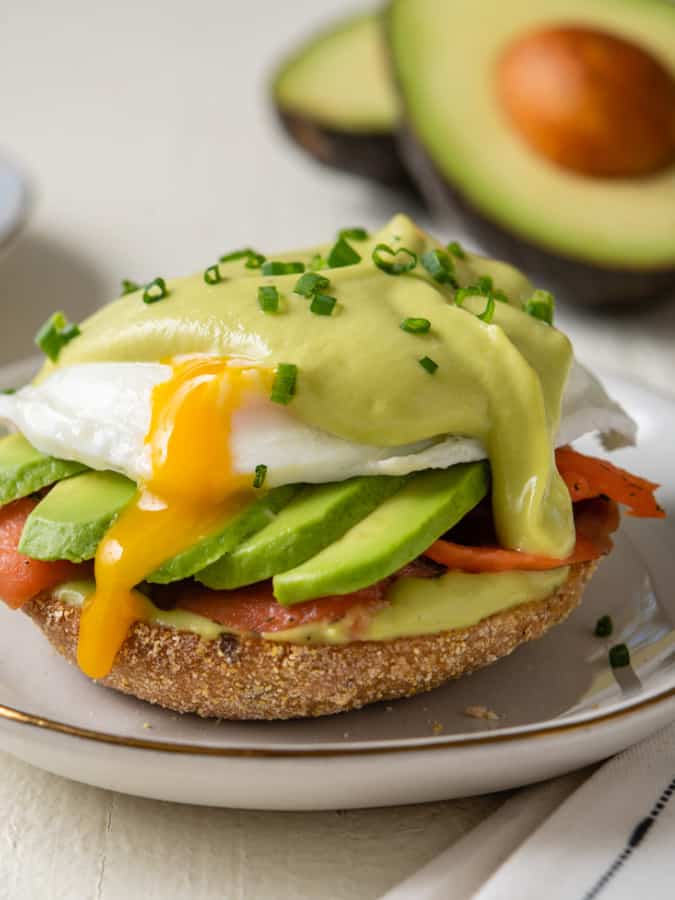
416	606
358	371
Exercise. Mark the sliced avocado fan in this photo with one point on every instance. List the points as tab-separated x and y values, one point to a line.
316	517
24	470
398	531
70	522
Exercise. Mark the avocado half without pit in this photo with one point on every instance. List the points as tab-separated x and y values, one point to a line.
335	98
549	127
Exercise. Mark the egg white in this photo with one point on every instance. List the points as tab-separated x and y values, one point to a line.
99	414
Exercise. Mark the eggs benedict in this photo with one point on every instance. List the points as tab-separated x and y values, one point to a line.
293	485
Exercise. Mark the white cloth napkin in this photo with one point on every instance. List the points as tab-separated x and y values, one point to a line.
610	836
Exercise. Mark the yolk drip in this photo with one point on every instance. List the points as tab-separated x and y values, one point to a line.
192	489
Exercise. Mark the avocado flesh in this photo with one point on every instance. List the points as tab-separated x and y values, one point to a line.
335	99
468	158
71	520
315	518
24	470
398	531
231	532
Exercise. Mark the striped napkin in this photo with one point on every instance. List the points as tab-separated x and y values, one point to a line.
610	836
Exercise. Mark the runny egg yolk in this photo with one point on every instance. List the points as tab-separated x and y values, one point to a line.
191	491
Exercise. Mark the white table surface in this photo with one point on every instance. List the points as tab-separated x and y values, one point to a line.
145	132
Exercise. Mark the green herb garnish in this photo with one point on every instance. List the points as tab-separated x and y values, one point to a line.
56	332
9	391
353	234
128	287
457	250
428	364
253	259
322	305
440	266
283	388
604	626
212	275
155	291
268	298
416	326
260	475
619	656
342	254
309	284
385	259
277	267
489	311
317	262
540	306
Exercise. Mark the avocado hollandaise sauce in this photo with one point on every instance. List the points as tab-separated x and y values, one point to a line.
389	353
415	607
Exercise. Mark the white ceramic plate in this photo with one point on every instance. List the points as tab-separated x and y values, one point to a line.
13	200
559	703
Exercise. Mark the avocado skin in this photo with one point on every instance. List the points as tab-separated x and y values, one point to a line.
572	280
375	155
315	518
71	520
24	470
398	531
235	530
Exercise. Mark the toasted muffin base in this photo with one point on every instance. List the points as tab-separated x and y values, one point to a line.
250	678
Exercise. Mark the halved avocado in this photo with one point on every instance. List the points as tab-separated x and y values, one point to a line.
335	98
594	239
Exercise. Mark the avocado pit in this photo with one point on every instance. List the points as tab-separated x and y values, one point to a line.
589	101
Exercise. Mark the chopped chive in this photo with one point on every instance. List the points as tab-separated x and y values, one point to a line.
283	388
488	313
268	298
155	291
416	326
53	336
462	294
619	656
457	250
260	475
212	275
9	391
317	262
604	626
253	259
322	305
309	284
128	287
428	364
484	284
277	267
500	295
342	254
390	265
440	266
540	306
353	234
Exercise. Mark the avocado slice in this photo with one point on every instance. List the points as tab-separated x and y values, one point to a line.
398	531
24	470
316	517
231	532
590	238
71	520
335	99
